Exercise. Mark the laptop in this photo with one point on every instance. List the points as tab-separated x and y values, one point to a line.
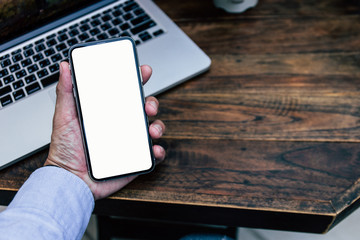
35	37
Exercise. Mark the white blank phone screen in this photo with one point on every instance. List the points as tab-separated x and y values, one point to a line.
112	109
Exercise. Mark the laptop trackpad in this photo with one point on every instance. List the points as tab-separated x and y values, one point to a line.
26	125
52	94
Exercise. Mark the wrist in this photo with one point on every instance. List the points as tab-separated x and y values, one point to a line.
48	162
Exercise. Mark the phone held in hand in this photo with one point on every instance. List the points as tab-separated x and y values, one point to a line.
110	103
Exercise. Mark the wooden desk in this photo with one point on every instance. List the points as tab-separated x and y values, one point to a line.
269	137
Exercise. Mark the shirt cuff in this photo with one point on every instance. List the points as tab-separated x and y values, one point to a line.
60	195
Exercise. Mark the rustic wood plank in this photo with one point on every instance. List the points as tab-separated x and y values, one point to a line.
270	107
228	169
277	36
204	172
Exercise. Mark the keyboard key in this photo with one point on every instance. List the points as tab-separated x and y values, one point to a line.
56	57
18	94
38	57
40	47
102	36
113	32
84	28
32	88
145	36
42	73
62	37
13	68
30	79
116	21
28	46
3	73
61	47
124	26
66	54
6	63
44	63
106	18
94	31
105	26
51	36
62	31
138	11
140	19
4	57
143	27
72	42
158	32
119	6
20	74
107	11
54	68
6	100
29	52
95	23
117	13
128	16
83	36
17	58
125	34
130	7
39	41
49	52
16	52
51	42
96	16
26	62
73	32
5	90
85	21
50	80
33	68
74	26
9	79
18	84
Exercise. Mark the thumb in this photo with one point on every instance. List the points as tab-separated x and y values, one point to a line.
64	84
65	104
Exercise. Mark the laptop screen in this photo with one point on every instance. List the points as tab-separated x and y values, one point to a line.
21	16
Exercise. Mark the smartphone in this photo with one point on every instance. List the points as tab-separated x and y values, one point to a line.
109	98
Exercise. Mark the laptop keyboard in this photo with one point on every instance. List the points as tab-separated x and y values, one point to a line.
35	65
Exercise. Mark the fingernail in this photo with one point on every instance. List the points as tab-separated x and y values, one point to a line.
158	128
162	150
161	154
153	104
60	68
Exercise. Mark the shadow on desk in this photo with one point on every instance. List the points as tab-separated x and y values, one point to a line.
111	227
346	230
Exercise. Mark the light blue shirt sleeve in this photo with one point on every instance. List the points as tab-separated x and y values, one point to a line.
52	204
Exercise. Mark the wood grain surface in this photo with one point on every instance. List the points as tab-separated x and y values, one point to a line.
269	137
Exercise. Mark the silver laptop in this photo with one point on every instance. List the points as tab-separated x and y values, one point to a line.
30	54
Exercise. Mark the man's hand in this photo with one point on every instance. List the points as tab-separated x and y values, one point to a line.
66	148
